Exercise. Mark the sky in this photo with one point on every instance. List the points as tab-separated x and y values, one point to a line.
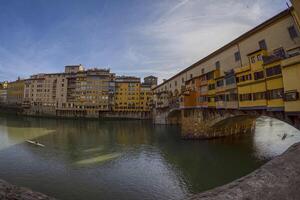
131	37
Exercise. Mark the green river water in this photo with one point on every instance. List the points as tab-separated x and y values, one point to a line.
114	159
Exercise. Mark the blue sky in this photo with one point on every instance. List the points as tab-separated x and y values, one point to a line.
131	37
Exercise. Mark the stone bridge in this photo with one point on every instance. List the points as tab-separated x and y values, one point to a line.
205	123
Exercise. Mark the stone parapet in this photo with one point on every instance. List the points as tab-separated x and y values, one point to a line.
11	192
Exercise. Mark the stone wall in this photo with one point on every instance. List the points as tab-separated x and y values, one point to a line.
279	179
206	123
11	192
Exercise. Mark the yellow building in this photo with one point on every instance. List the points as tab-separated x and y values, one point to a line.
251	82
274	83
146	98
92	93
291	78
211	82
127	94
15	92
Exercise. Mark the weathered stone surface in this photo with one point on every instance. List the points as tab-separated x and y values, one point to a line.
278	179
11	192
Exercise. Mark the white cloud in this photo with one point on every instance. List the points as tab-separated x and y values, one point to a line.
191	29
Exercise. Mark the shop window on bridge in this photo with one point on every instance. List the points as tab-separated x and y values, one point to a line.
218	65
293	32
230	80
210	99
259	96
279	53
292	95
220	83
244	78
246	97
272	71
259	57
220	97
211	86
262	44
210	76
237	56
232	97
258	75
202	99
275	94
252	59
203	89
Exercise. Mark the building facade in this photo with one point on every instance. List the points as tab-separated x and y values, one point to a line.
80	92
15	92
256	71
3	92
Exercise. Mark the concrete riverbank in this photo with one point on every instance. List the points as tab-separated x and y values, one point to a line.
279	179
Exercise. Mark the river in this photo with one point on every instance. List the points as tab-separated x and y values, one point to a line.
123	159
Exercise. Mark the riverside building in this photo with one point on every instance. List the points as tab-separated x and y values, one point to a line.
80	92
15	92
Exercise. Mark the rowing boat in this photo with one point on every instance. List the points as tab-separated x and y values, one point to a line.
35	143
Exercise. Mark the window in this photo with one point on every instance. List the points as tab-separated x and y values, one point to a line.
217	65
230	80
291	95
275	94
292	31
182	80
220	97
280	53
259	57
237	56
232	97
202	70
203	89
272	71
258	75
252	59
191	76
210	99
210	76
203	99
246	97
262	44
259	96
175	83
220	83
211	86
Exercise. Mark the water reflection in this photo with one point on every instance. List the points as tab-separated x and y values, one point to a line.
128	159
12	134
98	159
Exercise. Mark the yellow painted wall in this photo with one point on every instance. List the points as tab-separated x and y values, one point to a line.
291	81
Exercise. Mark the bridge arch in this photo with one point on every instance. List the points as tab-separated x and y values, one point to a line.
198	123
